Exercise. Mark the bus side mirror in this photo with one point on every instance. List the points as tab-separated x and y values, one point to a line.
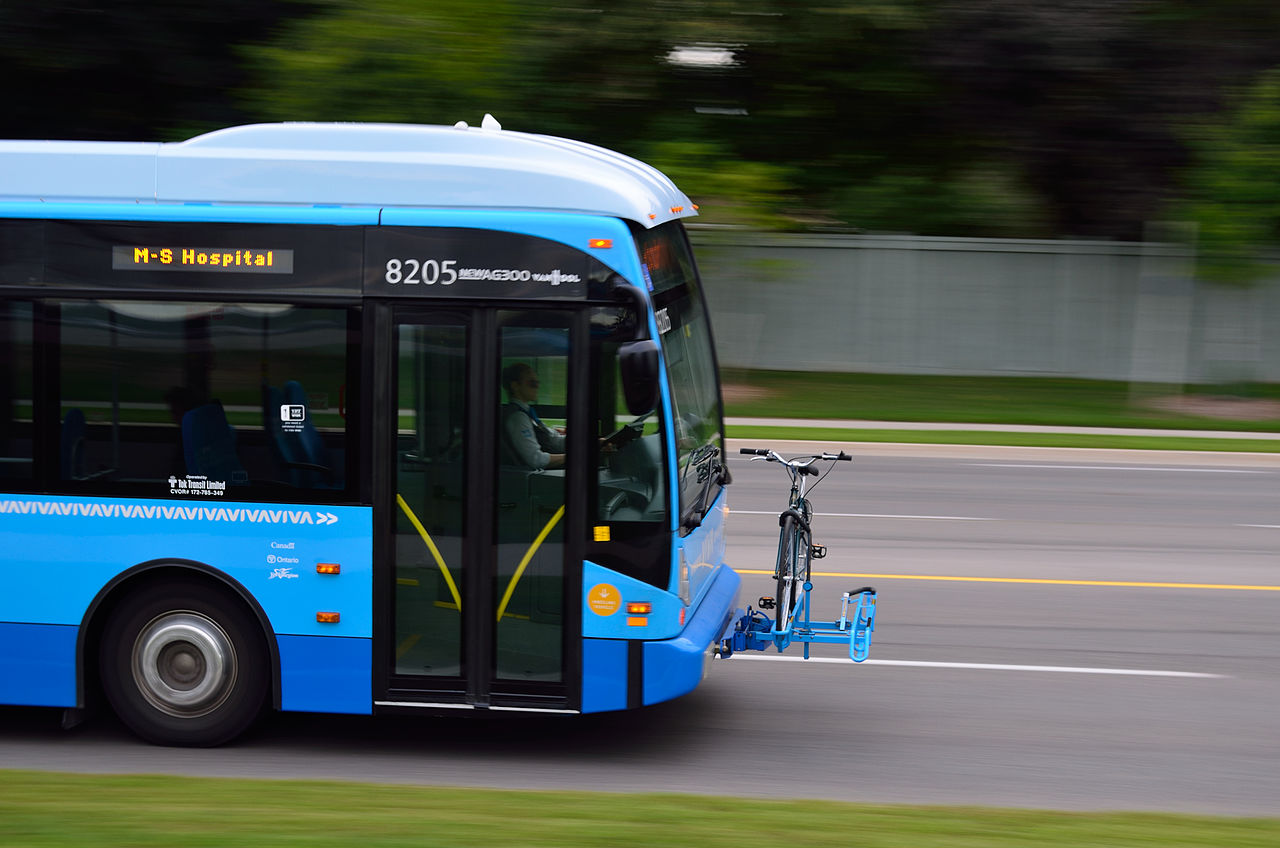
635	299
639	363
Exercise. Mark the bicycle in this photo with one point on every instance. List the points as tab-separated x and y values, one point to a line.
792	572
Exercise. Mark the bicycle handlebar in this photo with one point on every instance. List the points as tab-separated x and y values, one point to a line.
824	455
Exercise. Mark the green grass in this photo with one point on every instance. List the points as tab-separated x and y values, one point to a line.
41	809
982	400
1047	402
1035	440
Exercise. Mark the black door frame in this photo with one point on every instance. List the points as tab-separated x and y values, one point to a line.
477	688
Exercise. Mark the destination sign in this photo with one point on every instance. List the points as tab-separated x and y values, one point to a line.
235	260
301	260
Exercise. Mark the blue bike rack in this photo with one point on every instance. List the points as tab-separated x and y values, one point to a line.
755	631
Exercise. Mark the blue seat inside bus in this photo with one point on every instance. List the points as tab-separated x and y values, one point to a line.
209	445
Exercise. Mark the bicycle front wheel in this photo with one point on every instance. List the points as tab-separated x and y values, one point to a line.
792	569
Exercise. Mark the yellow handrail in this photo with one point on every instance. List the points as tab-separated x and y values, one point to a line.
435	552
533	549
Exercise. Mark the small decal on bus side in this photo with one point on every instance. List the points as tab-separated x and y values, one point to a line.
292	417
198	486
604	599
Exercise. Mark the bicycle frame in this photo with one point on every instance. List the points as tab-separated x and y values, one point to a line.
756	631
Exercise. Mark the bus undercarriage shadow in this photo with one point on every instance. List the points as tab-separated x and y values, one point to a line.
673	725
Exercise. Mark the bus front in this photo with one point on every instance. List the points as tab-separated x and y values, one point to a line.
657	595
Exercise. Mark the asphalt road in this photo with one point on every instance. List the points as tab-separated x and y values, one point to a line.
1059	629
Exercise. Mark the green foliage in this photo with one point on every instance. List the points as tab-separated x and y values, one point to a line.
946	117
727	190
983	199
1236	186
388	60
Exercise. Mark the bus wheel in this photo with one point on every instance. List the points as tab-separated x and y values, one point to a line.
184	664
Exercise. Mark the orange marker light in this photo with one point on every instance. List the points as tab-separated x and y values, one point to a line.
677	208
639	608
600	243
328	568
328	617
637	621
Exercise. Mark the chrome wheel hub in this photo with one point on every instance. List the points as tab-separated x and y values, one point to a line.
184	664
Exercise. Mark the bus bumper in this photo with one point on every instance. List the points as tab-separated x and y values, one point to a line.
620	674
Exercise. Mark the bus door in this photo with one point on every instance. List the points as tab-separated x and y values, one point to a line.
477	574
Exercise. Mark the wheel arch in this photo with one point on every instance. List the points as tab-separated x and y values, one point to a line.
150	573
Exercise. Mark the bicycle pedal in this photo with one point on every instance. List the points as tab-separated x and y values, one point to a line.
766	603
817	551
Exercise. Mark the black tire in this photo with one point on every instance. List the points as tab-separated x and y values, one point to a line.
184	663
790	570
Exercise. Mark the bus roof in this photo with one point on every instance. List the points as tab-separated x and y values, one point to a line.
368	165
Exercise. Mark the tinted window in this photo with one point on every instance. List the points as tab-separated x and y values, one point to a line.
208	400
15	391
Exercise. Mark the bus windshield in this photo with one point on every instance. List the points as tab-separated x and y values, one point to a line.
691	368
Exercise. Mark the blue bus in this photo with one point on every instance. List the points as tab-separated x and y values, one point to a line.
352	418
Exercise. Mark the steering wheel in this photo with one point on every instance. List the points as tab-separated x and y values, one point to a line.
625	434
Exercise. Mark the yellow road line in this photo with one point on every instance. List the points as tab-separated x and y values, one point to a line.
533	549
1135	584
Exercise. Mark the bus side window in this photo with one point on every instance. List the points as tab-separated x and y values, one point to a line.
171	390
16	410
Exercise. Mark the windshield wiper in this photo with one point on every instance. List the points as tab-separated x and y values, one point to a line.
711	473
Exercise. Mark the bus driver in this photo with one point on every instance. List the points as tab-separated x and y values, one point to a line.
533	444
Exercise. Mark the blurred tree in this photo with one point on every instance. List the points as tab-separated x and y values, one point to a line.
130	69
600	72
953	117
1235	188
842	92
389	60
1088	99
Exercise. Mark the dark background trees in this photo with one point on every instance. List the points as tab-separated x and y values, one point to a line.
953	117
135	70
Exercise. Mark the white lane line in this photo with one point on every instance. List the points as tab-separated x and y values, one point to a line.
1118	468
733	511
1267	526
1060	669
